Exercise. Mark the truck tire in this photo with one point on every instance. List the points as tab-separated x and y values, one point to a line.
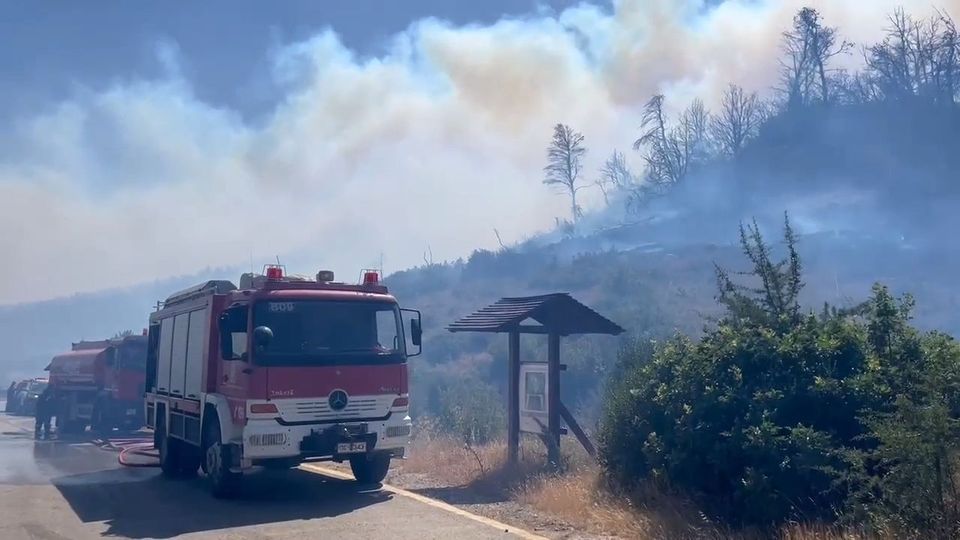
370	468
222	482
99	423
168	449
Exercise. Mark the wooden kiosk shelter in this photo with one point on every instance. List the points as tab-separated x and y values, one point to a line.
554	315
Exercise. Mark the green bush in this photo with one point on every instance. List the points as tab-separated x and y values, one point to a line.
774	415
911	477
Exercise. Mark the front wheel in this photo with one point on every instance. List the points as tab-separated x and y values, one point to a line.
223	482
370	469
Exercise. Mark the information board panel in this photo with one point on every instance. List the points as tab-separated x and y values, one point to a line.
534	398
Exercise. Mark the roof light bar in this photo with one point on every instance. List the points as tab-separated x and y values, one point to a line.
274	272
371	277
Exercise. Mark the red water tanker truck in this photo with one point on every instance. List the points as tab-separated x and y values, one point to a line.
100	384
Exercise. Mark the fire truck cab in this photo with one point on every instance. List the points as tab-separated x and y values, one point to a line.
279	371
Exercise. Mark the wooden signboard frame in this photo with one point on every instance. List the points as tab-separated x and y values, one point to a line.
558	315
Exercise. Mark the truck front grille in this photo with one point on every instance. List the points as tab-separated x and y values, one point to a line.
320	410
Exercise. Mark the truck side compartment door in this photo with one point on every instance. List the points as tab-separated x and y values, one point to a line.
163	357
153	343
178	355
197	343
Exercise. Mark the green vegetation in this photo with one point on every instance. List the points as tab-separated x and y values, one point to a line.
777	415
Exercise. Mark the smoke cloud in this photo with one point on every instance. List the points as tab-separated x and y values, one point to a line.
433	144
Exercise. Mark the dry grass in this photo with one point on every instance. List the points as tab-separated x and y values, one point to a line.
817	532
577	495
581	499
452	462
578	498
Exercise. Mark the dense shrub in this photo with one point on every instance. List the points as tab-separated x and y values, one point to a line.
775	415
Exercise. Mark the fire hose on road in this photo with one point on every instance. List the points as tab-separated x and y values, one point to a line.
131	449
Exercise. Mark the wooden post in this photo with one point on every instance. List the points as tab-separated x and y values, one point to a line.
513	402
553	397
575	428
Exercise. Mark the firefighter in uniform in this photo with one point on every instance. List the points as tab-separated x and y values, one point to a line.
45	406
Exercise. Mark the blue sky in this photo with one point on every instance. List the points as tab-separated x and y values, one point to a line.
147	139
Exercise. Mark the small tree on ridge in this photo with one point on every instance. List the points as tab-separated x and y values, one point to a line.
565	162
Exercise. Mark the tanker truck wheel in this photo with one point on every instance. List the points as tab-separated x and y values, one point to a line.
370	469
223	482
99	423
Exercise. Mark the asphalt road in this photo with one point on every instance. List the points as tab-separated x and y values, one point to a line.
54	490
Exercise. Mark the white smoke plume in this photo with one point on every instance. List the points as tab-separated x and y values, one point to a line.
435	143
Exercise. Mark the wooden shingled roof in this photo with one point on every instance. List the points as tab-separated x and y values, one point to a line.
557	313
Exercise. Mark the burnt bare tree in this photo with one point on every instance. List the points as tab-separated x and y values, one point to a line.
662	167
695	133
854	88
616	177
808	48
738	121
565	163
672	151
917	58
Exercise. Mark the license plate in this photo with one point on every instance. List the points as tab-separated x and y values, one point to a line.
351	448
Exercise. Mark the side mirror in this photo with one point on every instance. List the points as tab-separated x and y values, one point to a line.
262	336
416	333
416	330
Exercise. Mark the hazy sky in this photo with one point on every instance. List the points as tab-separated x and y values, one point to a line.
141	140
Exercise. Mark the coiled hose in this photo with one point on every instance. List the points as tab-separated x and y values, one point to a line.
139	449
142	447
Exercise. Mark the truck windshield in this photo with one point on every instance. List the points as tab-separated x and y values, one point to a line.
133	356
326	332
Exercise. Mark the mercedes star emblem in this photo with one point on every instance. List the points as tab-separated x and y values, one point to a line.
337	400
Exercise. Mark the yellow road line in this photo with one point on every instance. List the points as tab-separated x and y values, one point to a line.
526	535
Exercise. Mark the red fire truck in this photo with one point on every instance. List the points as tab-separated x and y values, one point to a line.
100	384
277	372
